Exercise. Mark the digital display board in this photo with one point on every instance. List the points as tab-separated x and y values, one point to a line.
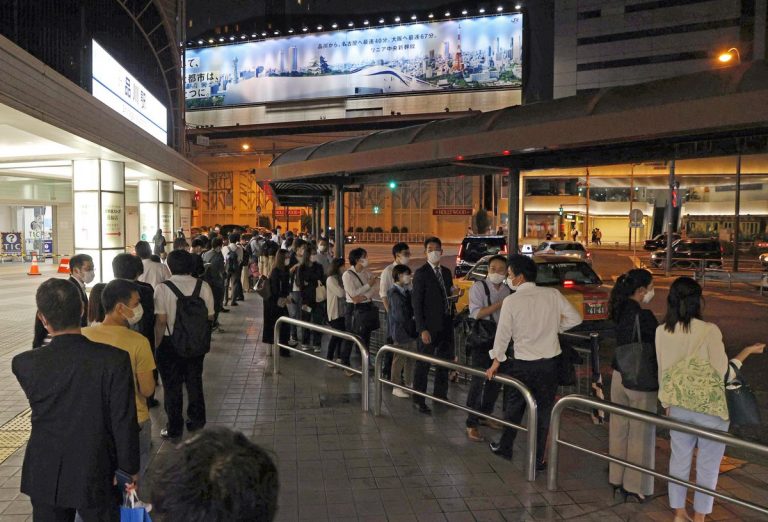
471	53
115	86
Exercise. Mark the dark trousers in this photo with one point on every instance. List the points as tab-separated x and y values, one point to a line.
218	300
346	348
441	347
314	317
335	343
482	392
177	371
48	513
540	377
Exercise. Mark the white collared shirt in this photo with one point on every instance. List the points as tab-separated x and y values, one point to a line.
353	286
154	272
478	299
532	317
165	299
387	281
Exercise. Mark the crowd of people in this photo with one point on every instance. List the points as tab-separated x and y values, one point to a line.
153	323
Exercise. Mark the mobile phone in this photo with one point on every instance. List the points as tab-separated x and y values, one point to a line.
123	479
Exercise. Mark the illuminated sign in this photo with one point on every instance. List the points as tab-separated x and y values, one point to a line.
123	93
442	56
291	212
451	211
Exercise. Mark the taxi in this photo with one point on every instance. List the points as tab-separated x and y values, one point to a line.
575	279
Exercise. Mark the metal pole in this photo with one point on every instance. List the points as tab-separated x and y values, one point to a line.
670	218
737	217
326	215
632	200
586	217
513	211
339	193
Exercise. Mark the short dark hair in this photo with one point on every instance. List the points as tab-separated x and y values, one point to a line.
117	291
398	248
126	266
58	300
181	262
399	270
355	255
521	264
199	242
216	242
497	257
433	239
683	304
180	243
143	250
217	476
78	261
234	237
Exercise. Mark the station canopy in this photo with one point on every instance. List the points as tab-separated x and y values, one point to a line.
712	113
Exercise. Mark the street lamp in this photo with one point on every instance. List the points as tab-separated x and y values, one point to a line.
729	55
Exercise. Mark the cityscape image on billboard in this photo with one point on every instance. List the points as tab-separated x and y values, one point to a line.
473	53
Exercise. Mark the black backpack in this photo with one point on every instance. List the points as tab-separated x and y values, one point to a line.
191	335
233	265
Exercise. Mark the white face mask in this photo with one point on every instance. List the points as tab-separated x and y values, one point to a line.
496	279
403	260
648	297
88	277
364	262
322	248
511	283
138	313
434	257
406	279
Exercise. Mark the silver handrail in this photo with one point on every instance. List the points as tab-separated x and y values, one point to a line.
332	332
507	381
644	416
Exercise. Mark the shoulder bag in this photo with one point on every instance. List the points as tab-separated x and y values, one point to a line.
637	363
742	403
481	331
365	316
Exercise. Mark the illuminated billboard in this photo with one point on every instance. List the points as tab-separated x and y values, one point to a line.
473	53
115	86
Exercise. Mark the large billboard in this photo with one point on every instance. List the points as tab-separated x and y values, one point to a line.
471	53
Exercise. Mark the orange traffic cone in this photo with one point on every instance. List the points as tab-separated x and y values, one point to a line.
34	269
64	265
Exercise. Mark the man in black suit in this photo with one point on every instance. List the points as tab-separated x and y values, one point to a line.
81	274
84	425
433	294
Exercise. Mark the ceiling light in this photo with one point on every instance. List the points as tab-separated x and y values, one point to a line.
431	16
199	42
242	37
397	19
305	29
464	12
263	33
518	6
413	17
276	33
210	40
366	22
231	38
290	30
381	20
351	24
447	13
499	9
245	146
221	39
319	27
334	25
254	35
482	10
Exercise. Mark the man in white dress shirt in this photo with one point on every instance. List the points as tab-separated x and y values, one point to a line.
532	318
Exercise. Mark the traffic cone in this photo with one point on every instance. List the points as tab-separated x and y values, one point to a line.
64	265
34	269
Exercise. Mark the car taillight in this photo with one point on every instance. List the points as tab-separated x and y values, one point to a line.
503	251
568	283
458	256
589	254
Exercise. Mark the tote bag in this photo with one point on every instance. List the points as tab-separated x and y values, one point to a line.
742	403
637	363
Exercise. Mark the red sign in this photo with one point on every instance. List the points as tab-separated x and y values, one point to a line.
451	211
292	212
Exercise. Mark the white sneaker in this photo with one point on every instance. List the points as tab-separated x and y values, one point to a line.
292	343
397	392
305	347
316	349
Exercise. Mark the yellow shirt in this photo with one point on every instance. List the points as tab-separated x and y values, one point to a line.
137	347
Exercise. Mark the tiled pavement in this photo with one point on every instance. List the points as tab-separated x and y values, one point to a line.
339	464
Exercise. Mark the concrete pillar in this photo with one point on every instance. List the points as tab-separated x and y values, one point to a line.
98	188
339	193
327	215
183	212
155	209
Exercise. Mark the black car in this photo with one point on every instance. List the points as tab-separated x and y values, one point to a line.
659	242
691	253
474	248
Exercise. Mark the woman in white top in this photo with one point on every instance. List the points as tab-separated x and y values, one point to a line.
360	286
693	368
335	306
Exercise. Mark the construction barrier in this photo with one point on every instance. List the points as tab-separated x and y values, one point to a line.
64	265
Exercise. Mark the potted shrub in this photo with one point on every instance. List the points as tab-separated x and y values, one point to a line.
369	230
404	230
395	229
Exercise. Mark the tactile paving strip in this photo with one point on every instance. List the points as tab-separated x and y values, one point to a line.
15	433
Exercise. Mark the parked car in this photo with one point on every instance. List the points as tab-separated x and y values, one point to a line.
474	248
570	249
659	242
575	279
690	253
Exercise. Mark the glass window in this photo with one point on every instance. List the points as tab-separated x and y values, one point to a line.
476	248
479	272
553	274
552	187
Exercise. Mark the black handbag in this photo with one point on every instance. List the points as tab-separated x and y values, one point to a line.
742	403
365	318
637	363
481	331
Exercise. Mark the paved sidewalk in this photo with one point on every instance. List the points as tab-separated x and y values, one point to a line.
339	464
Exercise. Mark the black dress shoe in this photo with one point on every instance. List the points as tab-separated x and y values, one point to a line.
496	450
422	408
234	303
164	433
541	466
194	427
152	403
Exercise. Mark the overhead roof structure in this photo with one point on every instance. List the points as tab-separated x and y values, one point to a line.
689	116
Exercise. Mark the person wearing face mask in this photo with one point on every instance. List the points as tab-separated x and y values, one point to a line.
82	274
122	308
324	255
433	307
485	300
276	306
402	256
532	317
402	327
215	274
309	275
360	286
631	440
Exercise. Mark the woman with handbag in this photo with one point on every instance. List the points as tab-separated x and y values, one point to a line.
335	306
693	373
362	317
309	276
632	440
276	305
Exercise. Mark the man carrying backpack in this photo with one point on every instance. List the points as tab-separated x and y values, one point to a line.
234	259
184	310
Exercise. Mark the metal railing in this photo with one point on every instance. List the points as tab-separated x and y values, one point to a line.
364	385
657	420
588	370
507	381
719	274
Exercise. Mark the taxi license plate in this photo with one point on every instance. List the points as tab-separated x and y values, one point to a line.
595	308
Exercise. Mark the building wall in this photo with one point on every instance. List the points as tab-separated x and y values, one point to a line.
601	43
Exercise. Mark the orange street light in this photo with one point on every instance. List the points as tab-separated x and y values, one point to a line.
246	146
729	55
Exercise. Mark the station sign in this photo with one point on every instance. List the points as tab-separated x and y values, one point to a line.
11	242
451	211
291	212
